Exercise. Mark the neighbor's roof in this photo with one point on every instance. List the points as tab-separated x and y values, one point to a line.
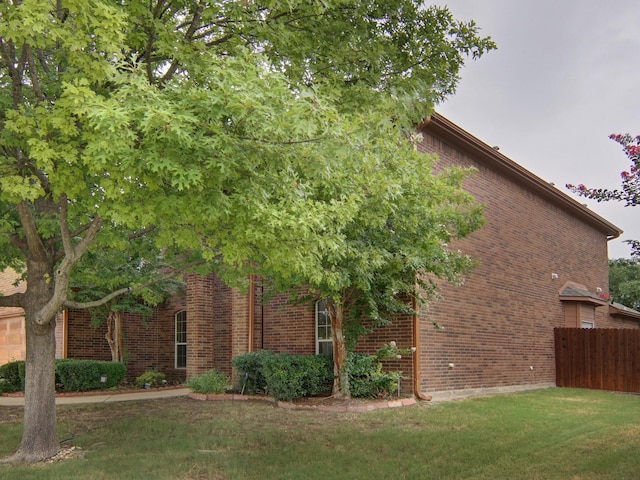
448	131
622	311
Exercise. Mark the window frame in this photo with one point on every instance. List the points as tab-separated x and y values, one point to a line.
325	325
180	320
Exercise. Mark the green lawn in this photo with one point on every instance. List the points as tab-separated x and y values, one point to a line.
545	434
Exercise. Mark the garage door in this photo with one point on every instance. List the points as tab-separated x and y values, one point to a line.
12	339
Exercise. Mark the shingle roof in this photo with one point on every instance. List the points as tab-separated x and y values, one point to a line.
623	311
576	292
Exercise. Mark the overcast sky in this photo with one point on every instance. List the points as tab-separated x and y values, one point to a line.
565	76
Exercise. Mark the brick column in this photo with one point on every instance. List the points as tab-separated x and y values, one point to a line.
200	323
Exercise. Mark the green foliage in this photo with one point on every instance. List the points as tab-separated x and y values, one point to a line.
71	374
367	379
624	282
12	374
225	135
152	378
287	376
210	381
250	367
293	376
82	375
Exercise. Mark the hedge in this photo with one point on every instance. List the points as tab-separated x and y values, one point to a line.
73	375
82	375
250	365
12	376
291	376
367	379
287	376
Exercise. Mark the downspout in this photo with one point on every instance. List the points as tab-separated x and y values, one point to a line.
416	355
252	306
65	329
416	328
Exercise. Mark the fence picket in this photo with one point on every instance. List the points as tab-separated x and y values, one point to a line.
598	358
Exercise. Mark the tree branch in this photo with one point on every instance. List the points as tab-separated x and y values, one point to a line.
64	226
126	290
33	72
13	300
95	303
32	237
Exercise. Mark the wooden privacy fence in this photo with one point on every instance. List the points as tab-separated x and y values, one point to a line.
598	358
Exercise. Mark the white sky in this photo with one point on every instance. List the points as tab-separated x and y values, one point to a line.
565	76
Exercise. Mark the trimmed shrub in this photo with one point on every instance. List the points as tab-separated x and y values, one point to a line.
152	378
12	376
250	366
211	381
294	376
366	378
82	375
71	374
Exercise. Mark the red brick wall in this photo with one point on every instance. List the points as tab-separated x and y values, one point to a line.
500	323
148	342
497	326
289	328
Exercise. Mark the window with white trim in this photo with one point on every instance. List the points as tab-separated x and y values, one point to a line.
181	339
324	342
587	324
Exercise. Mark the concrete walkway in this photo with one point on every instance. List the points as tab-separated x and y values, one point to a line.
106	398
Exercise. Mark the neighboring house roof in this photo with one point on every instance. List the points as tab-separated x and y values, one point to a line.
576	292
619	310
449	131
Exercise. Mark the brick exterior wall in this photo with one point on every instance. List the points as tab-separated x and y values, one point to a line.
148	342
498	326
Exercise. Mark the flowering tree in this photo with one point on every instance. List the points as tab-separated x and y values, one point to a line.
629	192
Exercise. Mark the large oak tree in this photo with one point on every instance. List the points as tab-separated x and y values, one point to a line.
225	133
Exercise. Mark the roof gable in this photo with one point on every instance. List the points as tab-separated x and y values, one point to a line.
448	131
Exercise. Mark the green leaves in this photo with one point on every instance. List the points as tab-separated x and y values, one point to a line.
265	136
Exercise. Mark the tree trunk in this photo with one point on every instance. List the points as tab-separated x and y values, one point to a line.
114	336
340	371
39	437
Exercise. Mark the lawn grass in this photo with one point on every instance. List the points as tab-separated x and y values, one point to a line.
545	434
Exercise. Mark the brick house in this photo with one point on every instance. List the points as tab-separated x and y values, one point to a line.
542	263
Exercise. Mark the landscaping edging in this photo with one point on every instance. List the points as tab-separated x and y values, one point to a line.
93	393
357	407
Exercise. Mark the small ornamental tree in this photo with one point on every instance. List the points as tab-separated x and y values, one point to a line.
100	272
629	191
392	250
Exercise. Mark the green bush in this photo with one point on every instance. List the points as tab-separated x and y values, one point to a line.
294	376
71	374
82	375
12	375
152	378
210	381
250	366
366	378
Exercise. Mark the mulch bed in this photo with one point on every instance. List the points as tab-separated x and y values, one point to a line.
315	403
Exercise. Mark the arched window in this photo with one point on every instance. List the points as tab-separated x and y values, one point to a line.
181	339
324	342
